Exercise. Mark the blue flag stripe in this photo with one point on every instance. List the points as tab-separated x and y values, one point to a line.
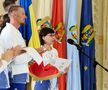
26	29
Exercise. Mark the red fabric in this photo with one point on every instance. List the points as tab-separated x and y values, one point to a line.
57	17
42	71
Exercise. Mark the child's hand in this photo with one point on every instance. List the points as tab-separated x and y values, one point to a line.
48	47
66	69
52	62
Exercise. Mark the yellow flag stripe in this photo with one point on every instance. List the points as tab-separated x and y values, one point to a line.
34	40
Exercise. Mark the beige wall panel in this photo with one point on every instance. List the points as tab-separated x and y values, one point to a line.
1	7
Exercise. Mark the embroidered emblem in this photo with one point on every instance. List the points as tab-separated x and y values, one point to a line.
73	33
87	35
59	31
45	22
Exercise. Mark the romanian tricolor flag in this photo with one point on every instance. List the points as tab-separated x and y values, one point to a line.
60	44
88	46
29	30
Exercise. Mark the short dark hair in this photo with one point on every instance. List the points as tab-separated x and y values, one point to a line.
14	8
43	32
6	3
5	20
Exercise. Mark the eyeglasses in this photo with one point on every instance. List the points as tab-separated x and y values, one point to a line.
51	35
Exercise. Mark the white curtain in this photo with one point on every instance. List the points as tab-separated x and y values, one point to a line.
100	15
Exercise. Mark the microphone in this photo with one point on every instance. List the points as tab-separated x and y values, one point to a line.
70	41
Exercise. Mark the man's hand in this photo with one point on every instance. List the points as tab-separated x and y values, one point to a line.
18	50
8	55
11	53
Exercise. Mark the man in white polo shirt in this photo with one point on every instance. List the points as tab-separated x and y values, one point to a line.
11	37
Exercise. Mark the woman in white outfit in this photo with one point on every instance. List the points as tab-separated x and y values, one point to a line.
48	53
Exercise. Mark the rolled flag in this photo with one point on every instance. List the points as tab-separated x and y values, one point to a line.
42	72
